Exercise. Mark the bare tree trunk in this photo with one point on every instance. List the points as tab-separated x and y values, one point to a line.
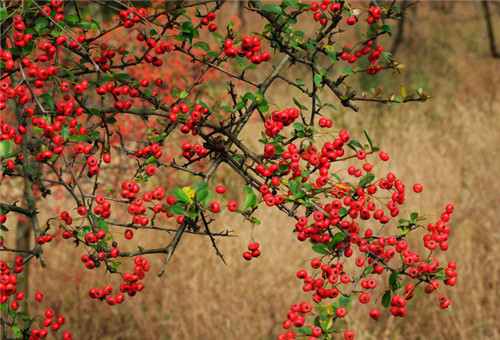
489	28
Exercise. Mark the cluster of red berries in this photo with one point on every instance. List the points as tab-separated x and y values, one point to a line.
373	56
189	150
7	92
150	150
320	9
8	280
195	116
375	13
132	15
439	231
207	19
44	239
160	49
116	91
131	285
249	48
47	10
103	207
253	251
103	294
8	132
280	119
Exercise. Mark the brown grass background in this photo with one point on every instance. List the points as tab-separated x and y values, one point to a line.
450	144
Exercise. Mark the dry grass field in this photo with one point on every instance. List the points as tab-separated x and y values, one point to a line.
450	144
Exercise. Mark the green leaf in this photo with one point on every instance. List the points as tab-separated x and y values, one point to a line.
47	99
369	140
368	270
386	28
386	298
3	14
123	76
151	159
302	107
240	61
250	201
103	225
321	248
336	239
181	195
404	93
414	215
289	3
366	179
344	301
177	209
183	94
200	185
294	187
204	196
5	147
305	330
41	23
354	144
393	278
273	8
249	96
317	79
203	45
71	18
248	190
263	107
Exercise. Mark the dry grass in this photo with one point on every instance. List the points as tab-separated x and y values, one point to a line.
449	144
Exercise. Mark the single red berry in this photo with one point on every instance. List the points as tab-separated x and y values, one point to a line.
129	234
418	188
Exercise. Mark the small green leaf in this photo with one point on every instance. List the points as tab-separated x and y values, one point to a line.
103	225
366	180
240	61
386	298
368	270
181	195
305	330
336	239
248	190
250	201
392	279
151	159
183	94
386	28
404	93
318	79
200	185
177	209
41	23
3	14
344	301
204	196
294	187
47	99
5	147
203	45
273	8
354	144
321	248
369	140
